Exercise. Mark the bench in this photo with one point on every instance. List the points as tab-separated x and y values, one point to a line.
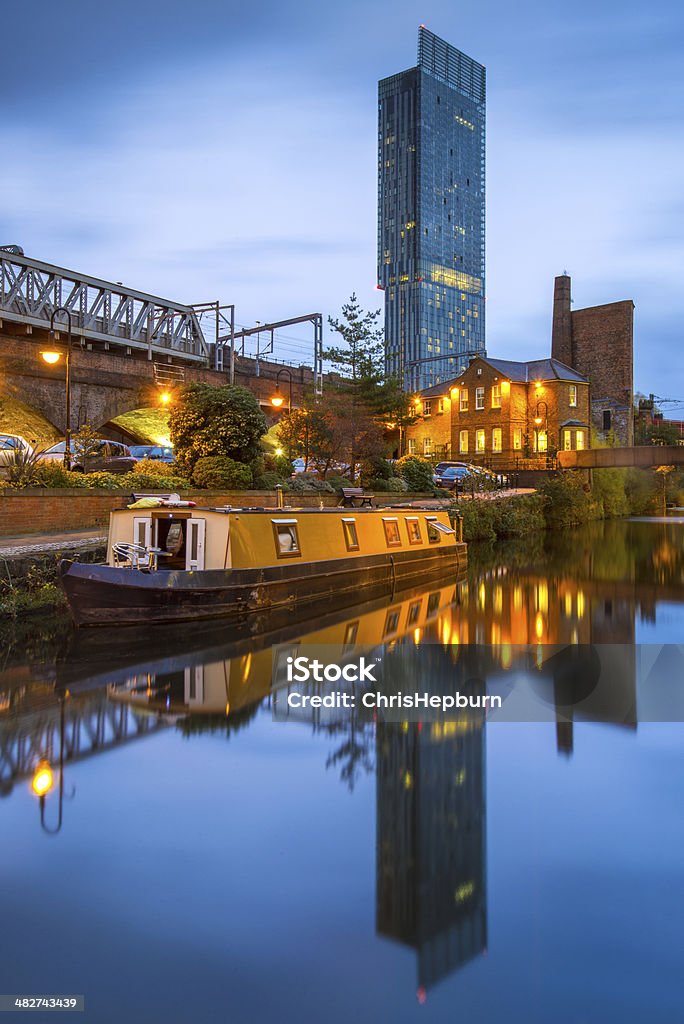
354	497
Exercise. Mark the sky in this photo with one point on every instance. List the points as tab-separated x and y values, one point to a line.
222	150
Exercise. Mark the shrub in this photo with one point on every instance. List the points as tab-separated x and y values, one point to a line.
53	474
397	485
306	483
641	491
108	481
208	422
567	501
153	467
269	481
336	481
377	468
416	472
478	519
609	489
380	486
218	471
151	482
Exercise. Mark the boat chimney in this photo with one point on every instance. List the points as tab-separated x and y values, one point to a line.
279	495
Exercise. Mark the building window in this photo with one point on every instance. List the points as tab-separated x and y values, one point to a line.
496	396
579	440
479	398
351	537
286	538
567	440
427	407
412	446
496	439
517	439
572	397
540	441
440	404
464	400
607	419
463	442
392	535
427	446
479	440
413	530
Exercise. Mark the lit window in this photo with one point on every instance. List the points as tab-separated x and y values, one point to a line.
427	406
441	404
427	446
479	440
496	396
392	535
496	439
479	398
517	439
464	400
413	530
567	440
579	440
351	537
286	538
412	446
540	441
463	442
572	396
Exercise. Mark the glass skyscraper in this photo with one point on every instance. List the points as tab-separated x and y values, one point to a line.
431	214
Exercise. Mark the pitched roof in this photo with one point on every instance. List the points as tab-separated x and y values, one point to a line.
437	390
536	369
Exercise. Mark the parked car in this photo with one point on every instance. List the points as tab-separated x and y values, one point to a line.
456	478
441	466
9	444
497	479
152	451
103	456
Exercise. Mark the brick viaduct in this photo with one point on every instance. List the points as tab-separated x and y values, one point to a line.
107	384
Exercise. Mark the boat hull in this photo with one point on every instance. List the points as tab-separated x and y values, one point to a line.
104	595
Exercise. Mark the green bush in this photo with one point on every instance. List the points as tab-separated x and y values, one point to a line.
608	488
305	483
416	472
152	482
377	468
269	481
53	474
478	519
568	501
108	481
397	485
336	481
517	517
153	467
642	492
380	486
207	421
218	471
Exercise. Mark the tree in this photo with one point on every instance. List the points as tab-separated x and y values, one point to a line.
206	420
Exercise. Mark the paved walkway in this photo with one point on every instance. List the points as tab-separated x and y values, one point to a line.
35	543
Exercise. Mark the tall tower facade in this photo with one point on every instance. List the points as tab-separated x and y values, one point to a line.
431	213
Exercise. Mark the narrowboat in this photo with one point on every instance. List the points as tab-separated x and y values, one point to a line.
170	563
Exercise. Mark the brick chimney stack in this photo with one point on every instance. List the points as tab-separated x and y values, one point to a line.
561	332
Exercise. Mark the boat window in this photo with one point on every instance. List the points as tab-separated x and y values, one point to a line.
414	613
286	538
433	533
351	537
392	535
350	634
413	530
392	621
433	604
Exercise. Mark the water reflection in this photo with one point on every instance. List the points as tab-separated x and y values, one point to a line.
588	589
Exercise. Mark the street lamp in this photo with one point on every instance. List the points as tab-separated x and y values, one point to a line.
53	356
277	399
43	778
538	421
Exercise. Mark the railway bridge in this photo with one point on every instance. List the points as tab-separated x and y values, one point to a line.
127	346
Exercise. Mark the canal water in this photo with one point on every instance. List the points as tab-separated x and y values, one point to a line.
196	860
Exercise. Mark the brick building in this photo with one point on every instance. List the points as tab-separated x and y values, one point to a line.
598	342
503	413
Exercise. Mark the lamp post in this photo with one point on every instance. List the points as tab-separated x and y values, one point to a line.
277	399
51	357
43	779
538	422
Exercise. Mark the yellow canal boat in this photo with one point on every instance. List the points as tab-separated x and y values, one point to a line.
173	563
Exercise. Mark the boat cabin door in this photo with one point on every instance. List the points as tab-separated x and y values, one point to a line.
194	548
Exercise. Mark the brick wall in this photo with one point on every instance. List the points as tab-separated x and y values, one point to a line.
436	427
602	345
55	511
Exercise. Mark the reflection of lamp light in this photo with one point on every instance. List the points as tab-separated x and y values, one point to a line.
43	779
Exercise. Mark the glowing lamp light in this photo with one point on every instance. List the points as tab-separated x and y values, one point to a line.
505	386
279	452
43	779
277	399
51	357
165	398
537	420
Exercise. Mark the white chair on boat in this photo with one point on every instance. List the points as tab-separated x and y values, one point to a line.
134	555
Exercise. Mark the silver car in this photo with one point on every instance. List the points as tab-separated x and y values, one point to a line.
9	445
